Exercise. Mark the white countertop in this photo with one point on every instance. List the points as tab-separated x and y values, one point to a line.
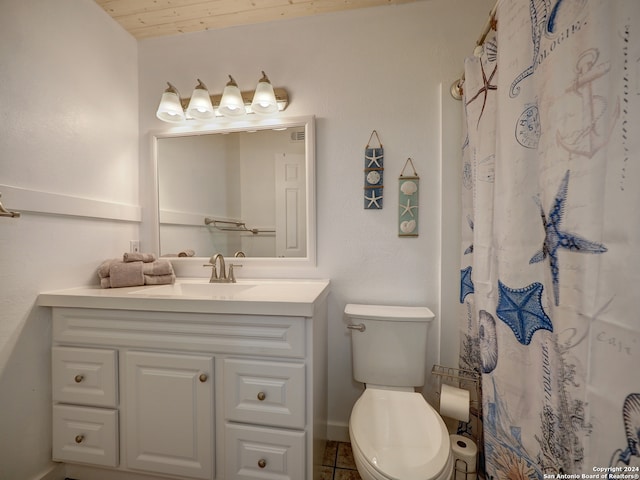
296	297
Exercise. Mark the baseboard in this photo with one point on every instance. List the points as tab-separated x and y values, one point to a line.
338	432
54	472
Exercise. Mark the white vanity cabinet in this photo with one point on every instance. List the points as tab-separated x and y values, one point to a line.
188	394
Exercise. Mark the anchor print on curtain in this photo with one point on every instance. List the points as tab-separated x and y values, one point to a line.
550	252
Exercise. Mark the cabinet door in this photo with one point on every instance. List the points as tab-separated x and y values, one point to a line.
168	404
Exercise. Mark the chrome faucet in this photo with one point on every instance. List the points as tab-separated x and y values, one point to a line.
219	275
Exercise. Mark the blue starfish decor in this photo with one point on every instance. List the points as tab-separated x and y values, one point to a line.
521	309
556	238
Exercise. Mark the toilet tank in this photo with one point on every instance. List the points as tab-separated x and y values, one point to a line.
391	349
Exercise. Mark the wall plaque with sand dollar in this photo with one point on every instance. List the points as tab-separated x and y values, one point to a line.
408	215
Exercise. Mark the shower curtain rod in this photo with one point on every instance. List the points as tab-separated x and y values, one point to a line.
456	86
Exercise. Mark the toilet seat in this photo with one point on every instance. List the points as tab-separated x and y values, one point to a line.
399	436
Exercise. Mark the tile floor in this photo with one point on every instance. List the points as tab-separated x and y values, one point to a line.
338	463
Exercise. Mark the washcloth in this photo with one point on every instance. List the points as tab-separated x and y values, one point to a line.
139	257
126	274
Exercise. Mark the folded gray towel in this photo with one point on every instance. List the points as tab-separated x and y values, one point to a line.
114	273
159	267
159	279
126	274
139	257
103	269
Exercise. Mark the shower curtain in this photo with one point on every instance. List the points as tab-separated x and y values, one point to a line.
550	272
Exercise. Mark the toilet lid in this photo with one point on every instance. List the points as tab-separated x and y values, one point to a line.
400	434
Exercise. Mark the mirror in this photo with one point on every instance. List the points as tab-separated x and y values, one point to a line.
245	188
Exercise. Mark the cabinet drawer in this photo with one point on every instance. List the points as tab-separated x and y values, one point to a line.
263	453
265	392
84	376
86	435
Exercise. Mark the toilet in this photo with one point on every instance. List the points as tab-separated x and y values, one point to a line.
395	434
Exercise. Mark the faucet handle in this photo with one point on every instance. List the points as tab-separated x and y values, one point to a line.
214	271
213	265
232	277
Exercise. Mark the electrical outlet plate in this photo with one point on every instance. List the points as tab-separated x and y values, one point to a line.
134	246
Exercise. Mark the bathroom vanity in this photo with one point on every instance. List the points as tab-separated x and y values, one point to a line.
191	380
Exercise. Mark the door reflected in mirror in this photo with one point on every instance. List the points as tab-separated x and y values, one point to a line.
222	191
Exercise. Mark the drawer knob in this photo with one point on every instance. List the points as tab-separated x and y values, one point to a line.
79	438
79	378
203	377
262	463
262	396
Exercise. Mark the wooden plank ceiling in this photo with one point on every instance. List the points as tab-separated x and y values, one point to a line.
155	18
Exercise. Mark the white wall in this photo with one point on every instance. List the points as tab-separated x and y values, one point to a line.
68	141
379	68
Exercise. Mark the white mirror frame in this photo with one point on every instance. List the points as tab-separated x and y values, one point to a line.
253	267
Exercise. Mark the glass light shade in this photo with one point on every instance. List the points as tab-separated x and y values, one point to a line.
264	98
231	103
170	109
200	106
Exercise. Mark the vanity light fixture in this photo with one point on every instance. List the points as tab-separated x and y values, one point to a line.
264	99
233	103
200	106
170	108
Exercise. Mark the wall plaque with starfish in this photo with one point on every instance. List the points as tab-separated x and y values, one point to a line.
373	171
409	187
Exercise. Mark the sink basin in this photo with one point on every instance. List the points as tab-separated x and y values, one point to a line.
197	290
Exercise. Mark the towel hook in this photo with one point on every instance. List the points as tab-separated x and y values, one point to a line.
6	213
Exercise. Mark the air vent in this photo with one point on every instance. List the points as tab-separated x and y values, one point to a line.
297	136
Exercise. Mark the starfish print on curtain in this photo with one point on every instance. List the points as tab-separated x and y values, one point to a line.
484	89
466	284
521	309
556	238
